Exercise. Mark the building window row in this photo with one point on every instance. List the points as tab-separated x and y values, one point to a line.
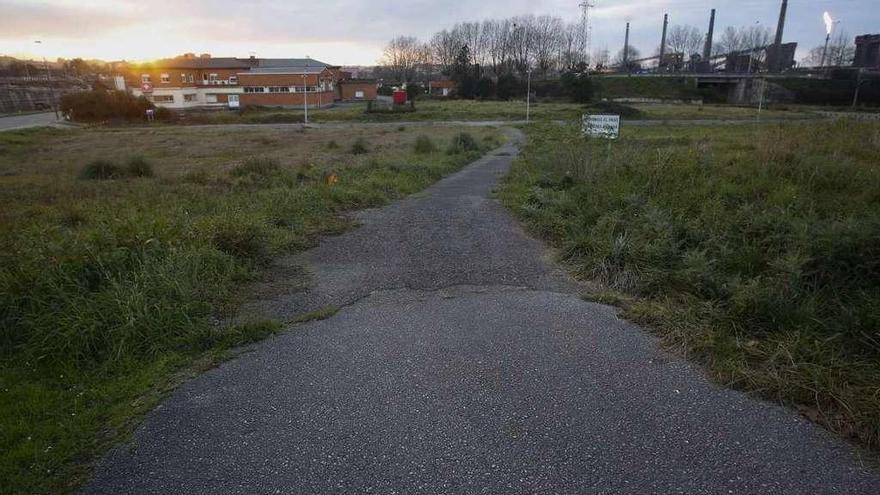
281	89
163	98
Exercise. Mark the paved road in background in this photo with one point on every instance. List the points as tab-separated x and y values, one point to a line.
463	361
12	122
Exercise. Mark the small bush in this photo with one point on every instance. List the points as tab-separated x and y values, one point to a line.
612	107
332	145
165	114
255	167
401	128
359	147
244	240
463	142
100	170
424	145
100	106
138	166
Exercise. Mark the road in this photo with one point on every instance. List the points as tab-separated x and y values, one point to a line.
12	122
463	361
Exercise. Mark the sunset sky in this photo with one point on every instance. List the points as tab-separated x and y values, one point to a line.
352	32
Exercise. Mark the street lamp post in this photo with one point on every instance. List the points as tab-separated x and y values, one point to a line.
752	50
305	99
49	82
528	92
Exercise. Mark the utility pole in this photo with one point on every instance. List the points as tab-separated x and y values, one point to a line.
49	83
586	29
305	99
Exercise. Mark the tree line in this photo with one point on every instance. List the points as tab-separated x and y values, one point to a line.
548	45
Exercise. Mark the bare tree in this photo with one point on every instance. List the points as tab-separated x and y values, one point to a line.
402	56
840	52
686	40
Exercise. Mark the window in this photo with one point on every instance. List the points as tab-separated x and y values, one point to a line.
212	78
210	98
204	77
279	89
358	94
191	78
182	78
165	78
190	97
163	98
254	89
145	78
233	79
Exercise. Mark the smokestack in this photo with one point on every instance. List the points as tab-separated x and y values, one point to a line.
777	43
663	39
626	49
707	49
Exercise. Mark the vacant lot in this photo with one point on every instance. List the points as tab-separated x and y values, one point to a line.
471	110
122	253
755	249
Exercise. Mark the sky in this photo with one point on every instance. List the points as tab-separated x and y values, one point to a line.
353	32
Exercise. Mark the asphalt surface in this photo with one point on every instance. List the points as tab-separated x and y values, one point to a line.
12	122
462	361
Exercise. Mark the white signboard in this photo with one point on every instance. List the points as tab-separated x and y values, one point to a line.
601	126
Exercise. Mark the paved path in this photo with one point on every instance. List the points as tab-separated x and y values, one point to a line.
464	362
12	122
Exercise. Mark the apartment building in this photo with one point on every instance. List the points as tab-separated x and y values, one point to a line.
191	81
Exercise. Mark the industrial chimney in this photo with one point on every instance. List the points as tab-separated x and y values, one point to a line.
626	49
776	60
661	63
707	49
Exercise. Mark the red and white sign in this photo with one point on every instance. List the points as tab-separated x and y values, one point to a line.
146	88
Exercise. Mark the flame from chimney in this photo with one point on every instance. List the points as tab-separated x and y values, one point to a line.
829	22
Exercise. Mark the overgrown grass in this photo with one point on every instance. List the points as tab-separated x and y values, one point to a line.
109	289
756	250
473	110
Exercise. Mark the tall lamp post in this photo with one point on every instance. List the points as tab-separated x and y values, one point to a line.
752	49
305	99
49	82
528	92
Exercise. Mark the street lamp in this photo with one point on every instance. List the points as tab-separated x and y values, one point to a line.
305	99
752	49
49	82
528	91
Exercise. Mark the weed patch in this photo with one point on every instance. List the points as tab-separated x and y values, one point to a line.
756	251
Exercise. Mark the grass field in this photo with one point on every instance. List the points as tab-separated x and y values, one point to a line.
753	249
471	110
123	251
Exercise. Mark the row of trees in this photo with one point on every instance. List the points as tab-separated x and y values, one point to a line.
513	45
548	45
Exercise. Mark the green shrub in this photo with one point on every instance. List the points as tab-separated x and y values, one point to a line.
101	170
245	240
332	145
138	166
100	106
463	142
577	86
615	108
255	167
359	147
424	145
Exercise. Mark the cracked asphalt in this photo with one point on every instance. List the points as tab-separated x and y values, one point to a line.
462	361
